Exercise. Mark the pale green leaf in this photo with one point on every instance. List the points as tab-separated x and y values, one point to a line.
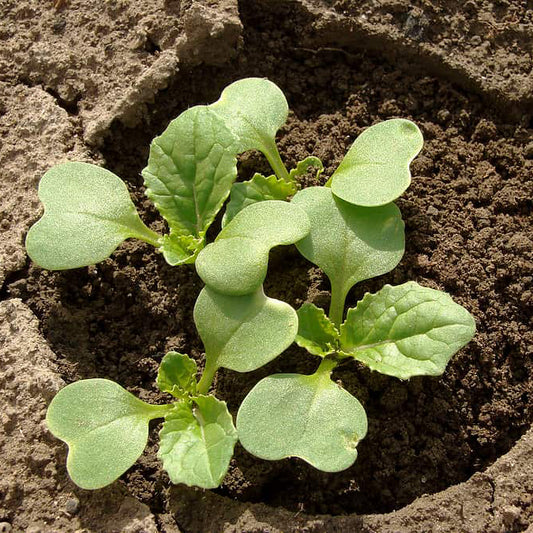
191	168
105	427
303	166
181	249
243	333
258	189
291	415
236	263
375	171
88	212
349	243
253	109
197	442
316	333
406	331
177	375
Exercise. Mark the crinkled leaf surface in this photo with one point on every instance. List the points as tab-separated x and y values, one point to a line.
316	332
349	243
258	189
375	171
236	263
197	442
191	168
406	331
303	166
243	333
291	415
88	212
253	109
105	427
177	375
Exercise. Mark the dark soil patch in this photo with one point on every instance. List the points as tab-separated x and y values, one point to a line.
468	220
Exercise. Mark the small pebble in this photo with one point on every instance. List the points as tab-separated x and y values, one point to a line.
443	116
432	211
5	527
72	506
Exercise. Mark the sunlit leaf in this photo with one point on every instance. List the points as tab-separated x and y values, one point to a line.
406	331
291	415
105	427
375	171
243	333
236	263
88	212
197	441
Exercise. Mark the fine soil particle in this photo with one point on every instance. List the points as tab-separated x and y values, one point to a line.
468	220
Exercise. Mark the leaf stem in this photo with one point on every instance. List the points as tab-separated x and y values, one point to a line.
336	306
326	366
160	411
208	376
276	163
147	235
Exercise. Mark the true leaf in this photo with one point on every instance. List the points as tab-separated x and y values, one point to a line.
236	263
88	212
191	168
105	427
181	249
177	375
303	166
375	171
253	109
258	189
291	415
243	333
316	333
349	243
197	442
406	331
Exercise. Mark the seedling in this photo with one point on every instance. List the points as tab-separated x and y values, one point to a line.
106	427
350	229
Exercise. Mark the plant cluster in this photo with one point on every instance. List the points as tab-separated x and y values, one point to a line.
350	228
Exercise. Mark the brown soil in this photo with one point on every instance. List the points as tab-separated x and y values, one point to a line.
468	219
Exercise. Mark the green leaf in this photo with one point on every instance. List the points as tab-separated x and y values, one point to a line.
236	263
177	375
375	171
406	331
253	109
181	249
258	189
105	427
88	212
197	442
243	333
316	333
349	243
191	168
303	166
291	415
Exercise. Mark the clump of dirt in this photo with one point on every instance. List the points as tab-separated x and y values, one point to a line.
467	215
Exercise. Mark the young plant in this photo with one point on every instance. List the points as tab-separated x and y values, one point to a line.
190	173
402	331
350	229
106	427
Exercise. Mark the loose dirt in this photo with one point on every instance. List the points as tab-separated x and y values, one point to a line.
468	219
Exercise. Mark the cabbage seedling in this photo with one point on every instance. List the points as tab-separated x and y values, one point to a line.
350	228
403	331
106	427
190	173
